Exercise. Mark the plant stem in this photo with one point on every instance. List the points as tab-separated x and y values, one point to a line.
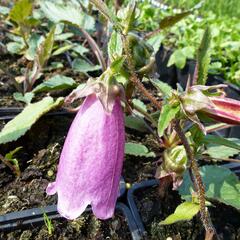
134	78
197	182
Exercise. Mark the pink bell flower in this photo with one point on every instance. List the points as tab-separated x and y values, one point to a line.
91	160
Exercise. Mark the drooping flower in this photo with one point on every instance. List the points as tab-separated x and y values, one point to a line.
198	100
91	160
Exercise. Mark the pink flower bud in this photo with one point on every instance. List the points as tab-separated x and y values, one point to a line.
224	110
91	161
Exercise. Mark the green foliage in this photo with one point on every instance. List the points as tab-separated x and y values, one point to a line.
168	113
46	48
115	46
58	82
137	149
48	224
70	12
136	123
220	184
184	211
203	58
26	98
21	10
222	152
24	120
180	56
80	65
169	21
212	139
12	162
163	87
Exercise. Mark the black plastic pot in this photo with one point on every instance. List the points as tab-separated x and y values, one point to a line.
34	217
235	167
132	204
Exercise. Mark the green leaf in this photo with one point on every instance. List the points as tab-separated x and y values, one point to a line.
103	8
24	120
221	141
167	114
81	65
171	20
220	184
11	154
58	82
80	49
184	211
203	58
136	123
69	12
178	58
137	149
62	49
138	104
117	64
26	98
4	10
34	42
15	47
155	41
46	48
20	11
163	87
115	46
221	152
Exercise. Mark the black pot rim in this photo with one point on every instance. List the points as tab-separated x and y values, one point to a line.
34	217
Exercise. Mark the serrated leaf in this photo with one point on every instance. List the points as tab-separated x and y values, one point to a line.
115	46
24	120
137	149
220	152
163	87
58	82
184	211
71	13
167	114
203	58
220	184
20	11
171	20
136	123
81	65
46	48
212	139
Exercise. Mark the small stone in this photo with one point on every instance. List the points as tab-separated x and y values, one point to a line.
50	173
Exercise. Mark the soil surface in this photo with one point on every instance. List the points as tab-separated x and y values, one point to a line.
153	210
85	227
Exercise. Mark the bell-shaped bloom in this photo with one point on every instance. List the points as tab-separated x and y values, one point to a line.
224	110
91	161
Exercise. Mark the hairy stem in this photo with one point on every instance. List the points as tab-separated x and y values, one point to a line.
197	181
134	78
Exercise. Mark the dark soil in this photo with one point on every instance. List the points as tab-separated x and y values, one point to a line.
153	210
85	227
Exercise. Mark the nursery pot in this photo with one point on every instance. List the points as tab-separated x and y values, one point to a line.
148	211
32	218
